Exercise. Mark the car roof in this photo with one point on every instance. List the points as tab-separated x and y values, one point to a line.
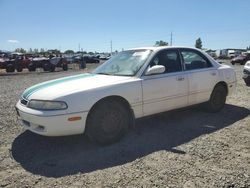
154	48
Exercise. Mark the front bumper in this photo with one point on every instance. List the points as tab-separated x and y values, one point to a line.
246	74
54	125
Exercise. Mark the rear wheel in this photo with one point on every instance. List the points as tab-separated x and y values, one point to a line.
19	69
46	67
243	62
10	68
31	67
107	122
217	99
52	68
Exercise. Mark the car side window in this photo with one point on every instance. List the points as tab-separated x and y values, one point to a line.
169	59
193	60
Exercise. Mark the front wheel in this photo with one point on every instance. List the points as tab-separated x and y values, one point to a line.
107	122
217	99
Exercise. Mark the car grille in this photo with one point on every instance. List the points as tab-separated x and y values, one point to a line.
24	102
246	71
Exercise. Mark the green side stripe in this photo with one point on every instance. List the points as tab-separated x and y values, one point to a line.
28	92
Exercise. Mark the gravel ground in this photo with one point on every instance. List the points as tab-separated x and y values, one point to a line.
184	148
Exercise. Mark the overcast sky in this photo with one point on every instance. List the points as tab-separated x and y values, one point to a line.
65	24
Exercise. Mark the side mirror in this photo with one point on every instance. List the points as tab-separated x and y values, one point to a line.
156	69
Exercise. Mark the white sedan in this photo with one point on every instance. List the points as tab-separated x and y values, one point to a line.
133	84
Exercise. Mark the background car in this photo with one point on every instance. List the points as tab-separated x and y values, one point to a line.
48	64
246	73
91	59
242	59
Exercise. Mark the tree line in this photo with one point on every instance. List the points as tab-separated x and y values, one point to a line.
198	44
54	51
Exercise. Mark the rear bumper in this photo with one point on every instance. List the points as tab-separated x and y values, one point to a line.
56	125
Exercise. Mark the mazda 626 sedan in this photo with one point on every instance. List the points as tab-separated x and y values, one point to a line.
133	84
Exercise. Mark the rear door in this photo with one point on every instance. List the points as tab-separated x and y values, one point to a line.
202	76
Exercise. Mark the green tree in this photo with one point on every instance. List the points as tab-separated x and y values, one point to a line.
198	43
69	52
20	50
30	51
161	43
36	50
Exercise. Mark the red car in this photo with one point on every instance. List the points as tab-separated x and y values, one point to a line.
242	59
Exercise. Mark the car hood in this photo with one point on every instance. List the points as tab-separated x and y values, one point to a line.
55	89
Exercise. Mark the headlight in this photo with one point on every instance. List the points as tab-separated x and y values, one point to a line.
47	105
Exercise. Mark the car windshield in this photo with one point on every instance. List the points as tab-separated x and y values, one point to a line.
126	63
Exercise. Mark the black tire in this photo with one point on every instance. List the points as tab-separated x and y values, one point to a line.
107	122
217	99
31	67
46	67
233	63
19	69
65	67
10	68
52	68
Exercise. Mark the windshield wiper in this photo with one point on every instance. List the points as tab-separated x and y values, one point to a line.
122	75
103	73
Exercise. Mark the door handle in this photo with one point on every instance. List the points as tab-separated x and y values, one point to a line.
180	78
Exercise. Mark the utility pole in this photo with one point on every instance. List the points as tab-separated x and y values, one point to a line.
79	47
111	46
171	39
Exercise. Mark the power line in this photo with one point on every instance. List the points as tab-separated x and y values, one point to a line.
111	47
171	39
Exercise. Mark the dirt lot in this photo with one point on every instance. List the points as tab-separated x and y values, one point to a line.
184	148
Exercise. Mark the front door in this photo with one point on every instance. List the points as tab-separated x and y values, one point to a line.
168	90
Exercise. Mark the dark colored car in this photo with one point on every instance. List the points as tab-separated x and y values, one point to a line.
242	59
48	64
91	59
14	62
